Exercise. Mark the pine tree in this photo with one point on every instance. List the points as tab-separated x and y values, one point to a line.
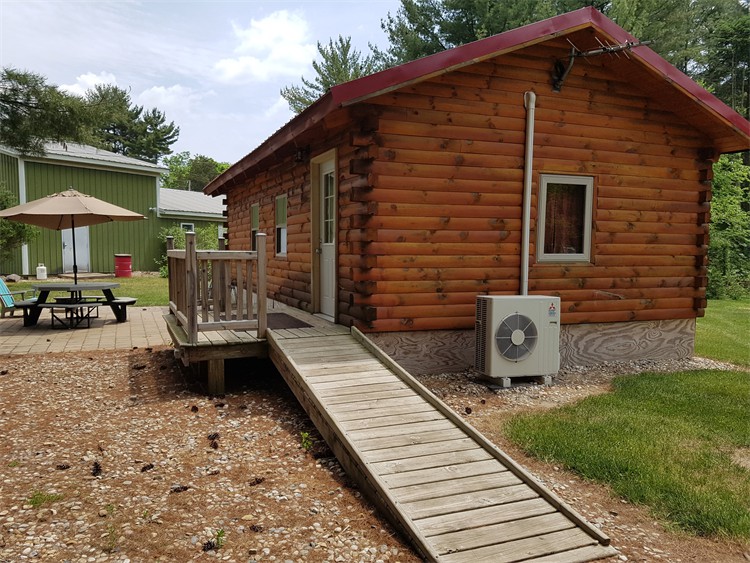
340	63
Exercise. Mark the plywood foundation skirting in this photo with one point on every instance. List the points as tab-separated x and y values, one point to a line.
590	344
445	351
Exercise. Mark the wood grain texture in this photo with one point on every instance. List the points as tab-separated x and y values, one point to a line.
429	352
419	461
590	344
452	351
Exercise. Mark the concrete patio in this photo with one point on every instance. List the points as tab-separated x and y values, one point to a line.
145	327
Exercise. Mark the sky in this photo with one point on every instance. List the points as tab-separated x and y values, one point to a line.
214	68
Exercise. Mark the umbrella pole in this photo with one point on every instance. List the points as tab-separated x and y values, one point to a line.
75	260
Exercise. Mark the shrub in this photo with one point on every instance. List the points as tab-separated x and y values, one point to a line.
205	236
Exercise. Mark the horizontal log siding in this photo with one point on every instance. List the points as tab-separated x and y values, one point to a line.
444	190
290	277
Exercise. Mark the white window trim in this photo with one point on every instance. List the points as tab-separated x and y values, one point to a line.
544	180
279	226
184	227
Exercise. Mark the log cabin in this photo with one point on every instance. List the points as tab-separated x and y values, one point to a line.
561	158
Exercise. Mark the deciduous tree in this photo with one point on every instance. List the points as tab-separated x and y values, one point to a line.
12	233
729	246
191	173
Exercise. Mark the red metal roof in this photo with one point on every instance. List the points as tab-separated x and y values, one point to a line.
735	129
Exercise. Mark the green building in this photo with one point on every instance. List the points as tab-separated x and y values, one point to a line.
124	181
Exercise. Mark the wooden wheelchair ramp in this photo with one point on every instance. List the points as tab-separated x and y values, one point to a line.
451	492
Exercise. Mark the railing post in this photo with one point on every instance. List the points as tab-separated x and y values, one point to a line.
218	271
170	273
191	286
262	309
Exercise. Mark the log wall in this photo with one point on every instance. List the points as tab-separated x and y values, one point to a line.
430	181
290	278
444	171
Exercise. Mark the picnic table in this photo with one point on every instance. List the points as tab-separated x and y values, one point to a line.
78	307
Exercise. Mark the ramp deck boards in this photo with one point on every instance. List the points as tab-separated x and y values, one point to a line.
454	494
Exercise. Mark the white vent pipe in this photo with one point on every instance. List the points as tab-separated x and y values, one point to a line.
529	102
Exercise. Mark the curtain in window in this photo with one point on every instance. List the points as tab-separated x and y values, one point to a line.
564	219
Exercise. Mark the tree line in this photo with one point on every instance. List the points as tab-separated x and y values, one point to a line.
33	112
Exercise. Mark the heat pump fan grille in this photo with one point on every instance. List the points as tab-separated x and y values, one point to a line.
516	337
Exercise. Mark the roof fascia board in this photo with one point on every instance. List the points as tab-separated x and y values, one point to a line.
688	87
447	61
671	74
430	67
365	88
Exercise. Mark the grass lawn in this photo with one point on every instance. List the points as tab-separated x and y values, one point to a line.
724	333
664	440
149	290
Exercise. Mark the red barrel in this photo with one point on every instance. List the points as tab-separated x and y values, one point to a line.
123	266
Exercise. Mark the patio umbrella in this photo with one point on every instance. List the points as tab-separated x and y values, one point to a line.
68	210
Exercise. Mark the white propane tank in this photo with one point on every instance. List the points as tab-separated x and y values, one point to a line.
41	272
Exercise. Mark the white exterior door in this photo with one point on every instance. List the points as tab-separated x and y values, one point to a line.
327	230
82	250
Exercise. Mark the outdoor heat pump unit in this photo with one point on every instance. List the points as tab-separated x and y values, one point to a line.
517	336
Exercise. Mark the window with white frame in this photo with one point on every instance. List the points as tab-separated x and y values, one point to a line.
281	203
254	225
564	218
188	227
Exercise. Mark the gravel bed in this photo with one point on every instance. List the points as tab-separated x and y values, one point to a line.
115	456
119	456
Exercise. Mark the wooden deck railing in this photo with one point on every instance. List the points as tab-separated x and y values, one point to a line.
214	289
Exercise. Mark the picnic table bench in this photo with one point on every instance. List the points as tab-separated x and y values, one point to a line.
73	314
77	308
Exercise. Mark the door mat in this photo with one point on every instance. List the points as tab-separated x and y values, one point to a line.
282	320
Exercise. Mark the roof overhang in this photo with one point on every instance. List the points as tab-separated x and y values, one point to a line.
127	165
194	215
731	132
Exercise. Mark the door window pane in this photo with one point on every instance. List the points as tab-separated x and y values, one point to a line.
329	211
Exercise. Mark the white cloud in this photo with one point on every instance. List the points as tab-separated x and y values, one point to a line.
279	108
177	98
87	81
277	45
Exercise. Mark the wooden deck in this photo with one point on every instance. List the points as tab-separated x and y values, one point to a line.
454	494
